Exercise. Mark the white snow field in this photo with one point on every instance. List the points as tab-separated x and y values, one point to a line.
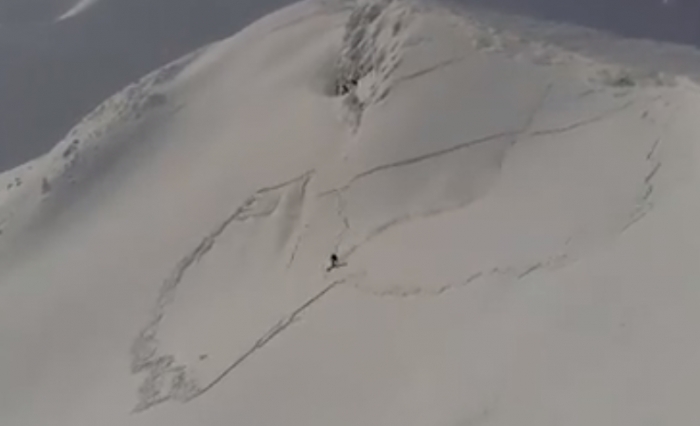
517	227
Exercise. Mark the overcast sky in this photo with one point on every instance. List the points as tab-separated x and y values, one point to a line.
676	21
52	74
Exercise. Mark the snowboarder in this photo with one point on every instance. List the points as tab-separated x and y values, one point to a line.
335	263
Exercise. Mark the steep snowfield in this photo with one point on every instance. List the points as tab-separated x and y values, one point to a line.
516	227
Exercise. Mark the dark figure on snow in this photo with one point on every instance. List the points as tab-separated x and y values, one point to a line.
335	263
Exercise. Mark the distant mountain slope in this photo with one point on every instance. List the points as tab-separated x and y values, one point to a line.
54	73
515	226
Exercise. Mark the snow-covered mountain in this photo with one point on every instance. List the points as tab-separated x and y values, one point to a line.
514	220
55	71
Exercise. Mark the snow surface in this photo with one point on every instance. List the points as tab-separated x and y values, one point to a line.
516	225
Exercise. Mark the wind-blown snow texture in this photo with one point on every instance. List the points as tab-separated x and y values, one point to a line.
79	7
515	225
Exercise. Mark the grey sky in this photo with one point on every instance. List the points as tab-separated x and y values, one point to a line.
676	21
53	74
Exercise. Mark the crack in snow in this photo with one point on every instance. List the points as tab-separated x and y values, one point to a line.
513	271
653	172
516	273
297	244
439	153
405	293
535	111
435	67
646	205
417	159
652	151
165	380
162	372
300	237
408	217
576	125
340	211
278	328
637	216
531	269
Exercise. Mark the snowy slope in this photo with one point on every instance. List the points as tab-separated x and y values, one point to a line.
516	226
